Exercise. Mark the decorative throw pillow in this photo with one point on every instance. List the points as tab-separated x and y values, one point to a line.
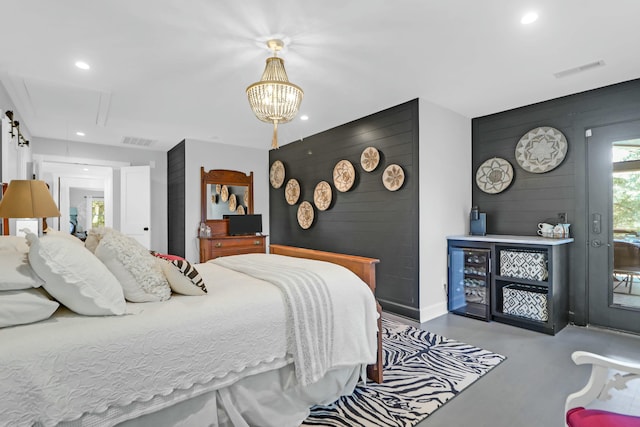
14	243
135	268
94	236
183	277
75	277
25	306
15	271
168	257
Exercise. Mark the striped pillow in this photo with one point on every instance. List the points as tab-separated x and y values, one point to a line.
183	277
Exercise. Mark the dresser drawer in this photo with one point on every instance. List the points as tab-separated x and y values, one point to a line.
223	246
237	242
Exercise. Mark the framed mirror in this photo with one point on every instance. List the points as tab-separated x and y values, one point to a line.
224	192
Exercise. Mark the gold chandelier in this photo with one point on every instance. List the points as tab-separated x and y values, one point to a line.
273	99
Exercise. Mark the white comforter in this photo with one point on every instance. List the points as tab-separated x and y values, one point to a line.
61	368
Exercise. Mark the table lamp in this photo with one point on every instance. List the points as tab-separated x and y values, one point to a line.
28	200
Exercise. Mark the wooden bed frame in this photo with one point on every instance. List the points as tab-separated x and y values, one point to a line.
363	267
5	221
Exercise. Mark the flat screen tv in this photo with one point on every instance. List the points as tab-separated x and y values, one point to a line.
240	225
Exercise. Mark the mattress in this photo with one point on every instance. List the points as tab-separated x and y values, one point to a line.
73	367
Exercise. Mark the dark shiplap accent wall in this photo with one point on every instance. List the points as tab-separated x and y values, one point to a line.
368	220
176	176
533	198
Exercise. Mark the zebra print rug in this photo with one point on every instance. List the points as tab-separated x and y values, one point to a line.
422	371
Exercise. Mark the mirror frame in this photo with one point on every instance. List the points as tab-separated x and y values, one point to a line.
222	177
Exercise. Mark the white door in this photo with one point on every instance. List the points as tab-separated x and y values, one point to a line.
135	203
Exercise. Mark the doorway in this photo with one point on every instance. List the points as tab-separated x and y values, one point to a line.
613	168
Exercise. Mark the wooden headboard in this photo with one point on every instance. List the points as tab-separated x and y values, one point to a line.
363	267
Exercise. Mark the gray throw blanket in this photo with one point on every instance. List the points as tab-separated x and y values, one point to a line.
309	310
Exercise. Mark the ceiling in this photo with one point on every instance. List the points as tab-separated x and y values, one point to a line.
166	70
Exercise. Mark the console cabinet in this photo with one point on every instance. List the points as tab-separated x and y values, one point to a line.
527	279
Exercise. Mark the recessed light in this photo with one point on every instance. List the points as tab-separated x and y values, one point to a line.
82	65
529	18
304	117
80	133
85	169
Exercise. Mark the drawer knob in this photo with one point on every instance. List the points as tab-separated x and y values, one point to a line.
257	242
218	245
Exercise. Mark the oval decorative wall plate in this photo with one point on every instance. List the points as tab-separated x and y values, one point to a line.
240	210
292	191
344	175
541	149
494	175
393	177
232	203
369	159
218	187
246	197
224	193
322	196
276	174
305	215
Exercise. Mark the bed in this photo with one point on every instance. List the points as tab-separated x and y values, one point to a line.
228	358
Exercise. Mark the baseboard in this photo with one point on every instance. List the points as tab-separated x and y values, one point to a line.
433	311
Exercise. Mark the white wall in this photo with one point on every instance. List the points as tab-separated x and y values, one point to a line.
445	197
222	156
133	156
14	158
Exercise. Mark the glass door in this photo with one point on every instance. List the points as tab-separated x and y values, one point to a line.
614	226
469	279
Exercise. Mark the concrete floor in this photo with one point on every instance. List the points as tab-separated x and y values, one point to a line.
530	387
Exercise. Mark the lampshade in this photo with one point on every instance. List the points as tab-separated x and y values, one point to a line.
273	99
28	199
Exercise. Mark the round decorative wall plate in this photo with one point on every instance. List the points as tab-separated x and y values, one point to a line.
541	149
322	196
344	175
240	210
276	174
224	193
393	177
214	198
232	203
494	175
369	159
305	215
292	191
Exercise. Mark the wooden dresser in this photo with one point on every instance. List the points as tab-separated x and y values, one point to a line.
214	247
217	188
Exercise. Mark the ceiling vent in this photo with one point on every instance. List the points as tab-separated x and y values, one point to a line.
138	142
579	69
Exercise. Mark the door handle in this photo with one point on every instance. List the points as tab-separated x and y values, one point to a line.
596	220
146	229
596	243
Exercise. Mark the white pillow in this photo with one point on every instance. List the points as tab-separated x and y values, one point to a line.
15	271
14	243
75	277
26	306
62	234
135	268
183	277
